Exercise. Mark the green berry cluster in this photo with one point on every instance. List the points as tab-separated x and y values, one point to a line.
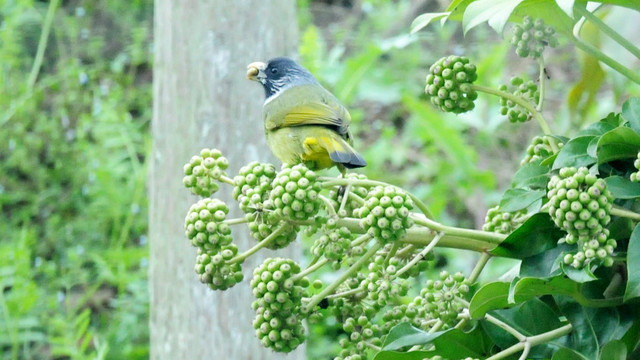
449	84
204	226
336	196
214	269
202	172
380	284
532	36
385	213
635	176
360	331
539	149
503	222
252	185
599	247
278	303
580	203
334	243
295	193
526	90
440	297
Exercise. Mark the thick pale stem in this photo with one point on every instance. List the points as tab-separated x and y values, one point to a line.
311	269
533	341
608	30
542	80
241	257
236	221
227	180
618	211
479	266
328	205
595	52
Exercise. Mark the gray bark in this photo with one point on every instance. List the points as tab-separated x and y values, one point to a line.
203	99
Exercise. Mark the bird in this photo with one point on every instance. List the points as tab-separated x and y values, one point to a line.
303	121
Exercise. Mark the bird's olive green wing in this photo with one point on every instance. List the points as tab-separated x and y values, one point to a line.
307	105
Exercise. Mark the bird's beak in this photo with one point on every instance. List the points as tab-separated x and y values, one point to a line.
255	71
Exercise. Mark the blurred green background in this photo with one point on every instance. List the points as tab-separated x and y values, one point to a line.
74	144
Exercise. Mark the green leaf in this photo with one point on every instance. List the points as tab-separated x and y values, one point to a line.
619	143
496	12
614	350
405	334
518	199
532	287
578	275
631	113
544	264
452	343
567	354
398	355
536	235
633	266
531	176
574	153
622	187
591	326
457	344
603	126
489	297
425	19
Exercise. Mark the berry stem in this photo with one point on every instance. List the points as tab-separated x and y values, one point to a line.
228	180
42	45
608	31
328	205
479	266
493	238
420	255
525	104
596	53
241	257
345	196
391	253
236	221
457	238
345	293
532	341
310	269
542	80
618	211
315	300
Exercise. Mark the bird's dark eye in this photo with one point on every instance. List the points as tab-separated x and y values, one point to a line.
274	70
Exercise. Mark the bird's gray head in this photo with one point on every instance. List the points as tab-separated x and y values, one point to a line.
279	74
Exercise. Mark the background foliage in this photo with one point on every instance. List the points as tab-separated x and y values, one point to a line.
73	146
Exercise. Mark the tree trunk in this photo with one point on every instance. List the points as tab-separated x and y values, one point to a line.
203	99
